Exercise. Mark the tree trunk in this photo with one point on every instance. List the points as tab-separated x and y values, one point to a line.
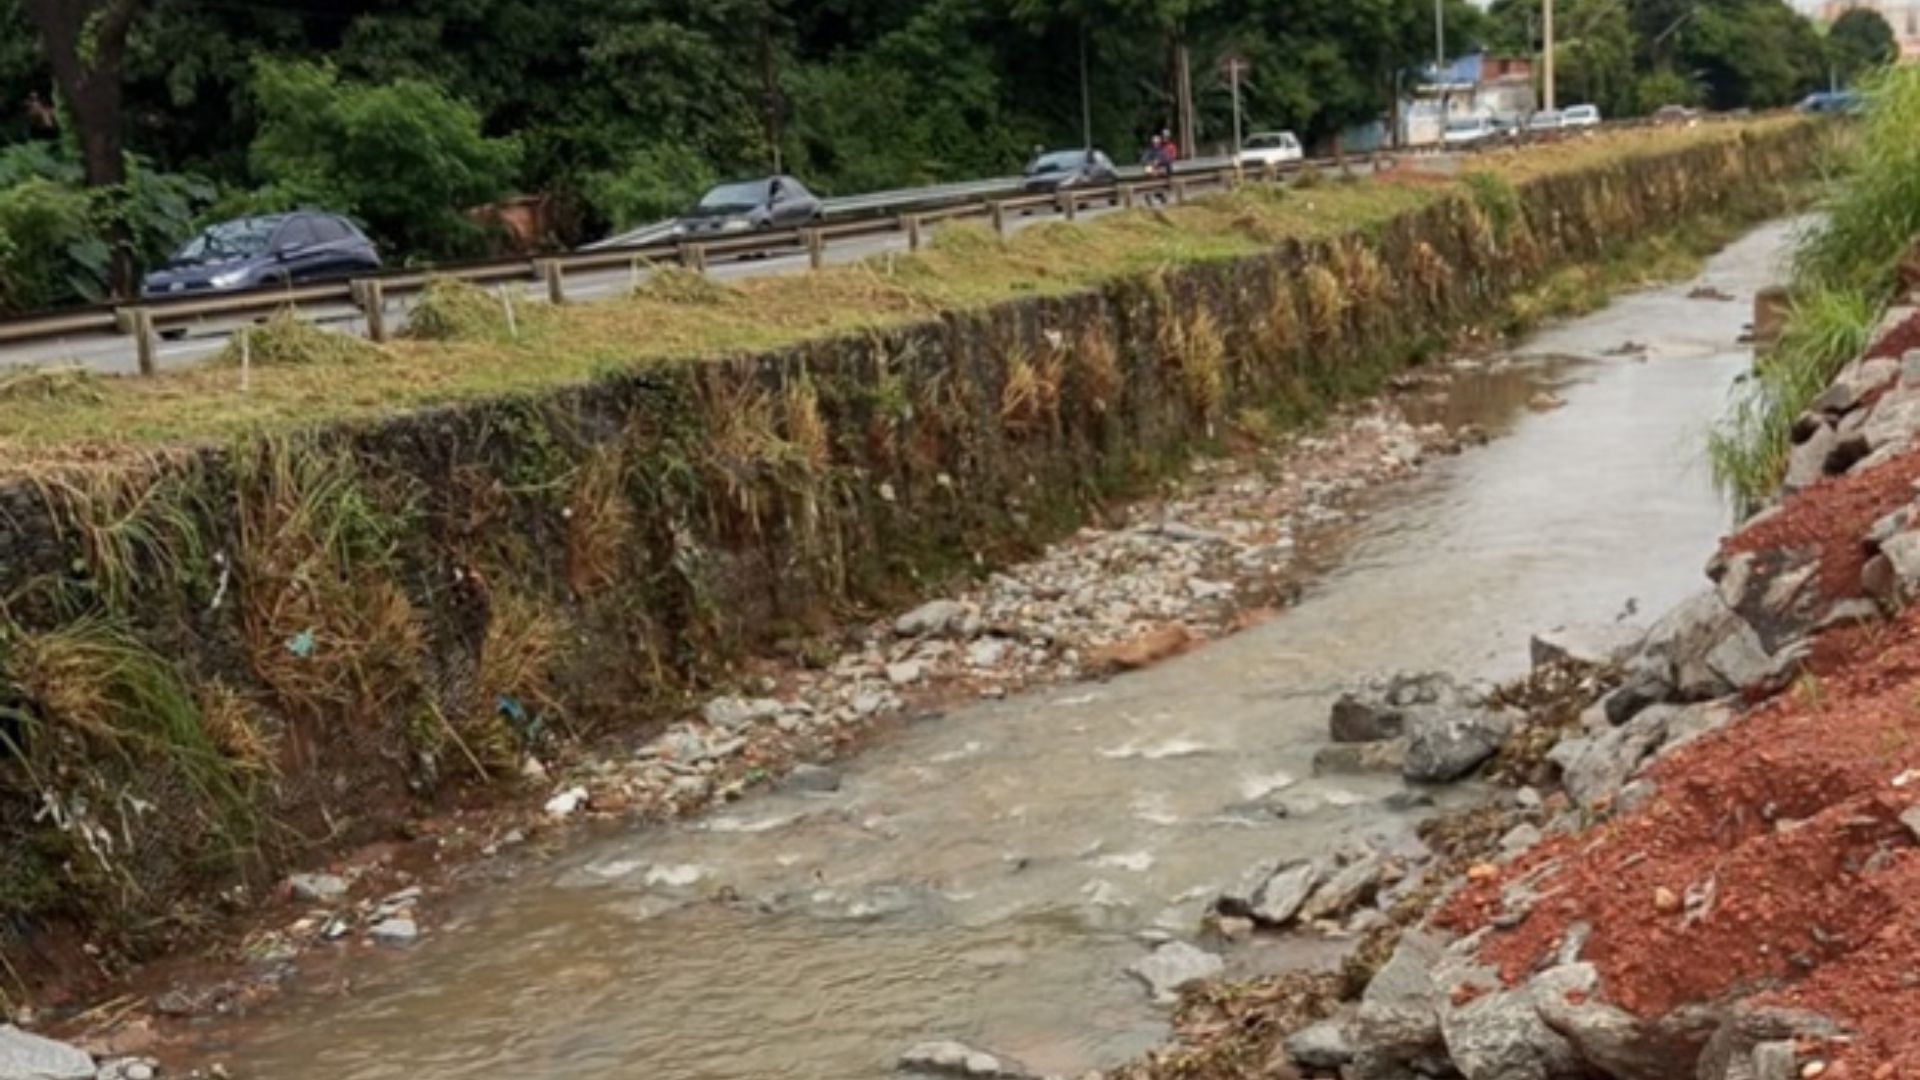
85	43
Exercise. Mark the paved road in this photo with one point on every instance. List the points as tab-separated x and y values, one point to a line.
113	354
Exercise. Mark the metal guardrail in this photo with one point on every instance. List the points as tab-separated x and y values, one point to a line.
150	317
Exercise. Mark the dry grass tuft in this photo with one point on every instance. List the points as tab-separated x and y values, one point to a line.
600	521
1326	304
1030	400
678	285
68	384
1096	367
285	340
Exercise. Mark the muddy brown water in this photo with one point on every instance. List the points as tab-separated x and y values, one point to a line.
988	876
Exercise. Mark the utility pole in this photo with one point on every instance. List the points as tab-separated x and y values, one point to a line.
770	88
1086	96
1235	64
1439	36
1547	52
1185	102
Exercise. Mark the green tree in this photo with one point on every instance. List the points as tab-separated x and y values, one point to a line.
1859	41
1595	55
405	158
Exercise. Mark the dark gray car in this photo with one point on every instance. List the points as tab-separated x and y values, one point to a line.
1069	169
775	202
273	249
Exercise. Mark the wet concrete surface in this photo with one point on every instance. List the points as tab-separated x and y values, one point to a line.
988	876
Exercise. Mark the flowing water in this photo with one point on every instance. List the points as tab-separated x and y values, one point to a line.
988	876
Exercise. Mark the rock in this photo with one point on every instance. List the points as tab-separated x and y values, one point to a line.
1345	890
1519	839
1702	649
815	779
732	713
1901	583
1446	743
128	1069
317	888
1640	690
567	802
1397	1023
1496	1033
1612	1040
1585	644
1357	719
1283	895
906	673
1807	462
1892	422
1173	966
1594	768
1359	758
26	1056
1854	383
1233	928
1320	1046
1729	1054
1891	525
987	652
1237	900
949	1058
936	618
1778	1060
395	931
1694	722
1183	533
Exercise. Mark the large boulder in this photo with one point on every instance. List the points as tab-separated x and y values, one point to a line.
1346	889
1174	966
1594	768
1397	1026
26	1056
1854	384
1612	1040
1495	1033
1807	461
1445	744
1282	896
1893	576
1379	710
1325	1046
1737	1050
1701	649
1586	644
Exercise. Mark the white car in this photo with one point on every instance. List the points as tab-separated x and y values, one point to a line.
1581	116
1269	148
1546	121
1470	130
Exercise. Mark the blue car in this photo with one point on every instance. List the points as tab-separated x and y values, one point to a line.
1833	101
274	249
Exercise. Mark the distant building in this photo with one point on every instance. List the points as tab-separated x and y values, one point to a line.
1902	15
1499	87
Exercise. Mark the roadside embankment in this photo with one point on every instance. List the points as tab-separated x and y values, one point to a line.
229	648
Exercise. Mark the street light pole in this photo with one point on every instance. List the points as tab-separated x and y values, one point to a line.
1548	52
1439	36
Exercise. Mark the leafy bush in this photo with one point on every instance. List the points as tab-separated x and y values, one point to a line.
655	183
405	157
54	233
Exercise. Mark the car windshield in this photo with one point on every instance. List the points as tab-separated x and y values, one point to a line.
229	240
741	196
1582	111
1269	142
1058	161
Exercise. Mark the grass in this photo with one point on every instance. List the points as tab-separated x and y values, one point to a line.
473	354
1844	272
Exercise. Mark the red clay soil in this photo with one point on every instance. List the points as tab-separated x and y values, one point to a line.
1898	340
1773	860
1831	517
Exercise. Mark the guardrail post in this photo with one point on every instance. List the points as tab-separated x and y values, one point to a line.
1179	190
694	257
910	224
556	279
816	249
1070	205
1126	196
371	295
145	343
999	215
